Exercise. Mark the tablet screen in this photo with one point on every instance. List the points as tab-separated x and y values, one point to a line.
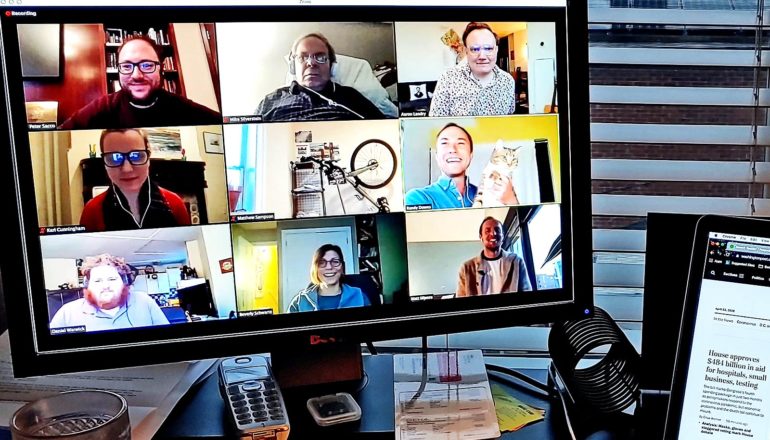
726	392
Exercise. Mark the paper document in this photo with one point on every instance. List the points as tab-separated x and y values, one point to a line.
151	392
448	399
512	413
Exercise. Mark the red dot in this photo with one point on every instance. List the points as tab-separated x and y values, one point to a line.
7	13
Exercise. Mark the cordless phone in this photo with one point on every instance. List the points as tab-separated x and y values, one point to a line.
254	401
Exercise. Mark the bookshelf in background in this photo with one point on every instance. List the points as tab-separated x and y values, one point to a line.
368	248
163	35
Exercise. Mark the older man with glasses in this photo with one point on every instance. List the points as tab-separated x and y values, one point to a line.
312	95
478	87
141	101
132	201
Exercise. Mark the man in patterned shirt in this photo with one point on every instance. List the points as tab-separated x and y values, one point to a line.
478	88
313	95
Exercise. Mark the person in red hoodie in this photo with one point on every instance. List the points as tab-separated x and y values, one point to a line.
132	201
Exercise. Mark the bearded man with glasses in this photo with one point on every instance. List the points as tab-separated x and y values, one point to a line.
132	201
141	101
478	87
312	95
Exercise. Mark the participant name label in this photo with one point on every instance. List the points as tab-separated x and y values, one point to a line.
252	217
252	313
51	230
65	330
419	208
43	126
242	119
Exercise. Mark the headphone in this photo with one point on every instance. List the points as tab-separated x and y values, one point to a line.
293	70
128	279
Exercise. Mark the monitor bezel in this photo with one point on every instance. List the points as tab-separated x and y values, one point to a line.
36	352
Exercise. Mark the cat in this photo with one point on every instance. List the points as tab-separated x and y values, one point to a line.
502	163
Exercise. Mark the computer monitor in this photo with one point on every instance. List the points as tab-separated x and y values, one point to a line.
332	172
195	298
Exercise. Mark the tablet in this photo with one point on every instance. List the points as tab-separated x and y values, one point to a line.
720	388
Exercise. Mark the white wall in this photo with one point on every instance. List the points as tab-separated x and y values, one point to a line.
248	73
194	65
59	271
458	225
279	150
80	139
434	267
194	258
216	189
216	239
276	144
542	64
421	54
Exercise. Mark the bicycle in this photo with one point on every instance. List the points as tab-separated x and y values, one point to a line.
372	166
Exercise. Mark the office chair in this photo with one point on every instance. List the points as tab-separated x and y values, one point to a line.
367	284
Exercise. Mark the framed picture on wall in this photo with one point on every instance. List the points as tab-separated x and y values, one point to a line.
165	142
213	143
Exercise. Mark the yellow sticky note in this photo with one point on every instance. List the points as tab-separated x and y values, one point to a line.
513	414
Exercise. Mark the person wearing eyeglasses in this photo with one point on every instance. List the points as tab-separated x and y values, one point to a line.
141	101
327	291
312	94
132	201
478	87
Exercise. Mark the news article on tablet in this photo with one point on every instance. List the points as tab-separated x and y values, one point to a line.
720	388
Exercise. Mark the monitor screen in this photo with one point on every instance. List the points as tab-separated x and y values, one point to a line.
268	173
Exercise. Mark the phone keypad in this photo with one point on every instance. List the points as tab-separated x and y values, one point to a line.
252	406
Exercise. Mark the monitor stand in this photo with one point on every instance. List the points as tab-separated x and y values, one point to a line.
316	371
325	363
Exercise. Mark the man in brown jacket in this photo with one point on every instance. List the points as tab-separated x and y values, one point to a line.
494	270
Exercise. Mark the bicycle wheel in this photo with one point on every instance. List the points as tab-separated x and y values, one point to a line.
374	152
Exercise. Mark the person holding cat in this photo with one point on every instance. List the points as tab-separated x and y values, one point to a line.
496	187
453	189
495	270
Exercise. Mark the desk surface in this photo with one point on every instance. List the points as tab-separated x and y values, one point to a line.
202	414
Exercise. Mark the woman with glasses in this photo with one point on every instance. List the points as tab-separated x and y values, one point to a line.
326	290
478	87
132	201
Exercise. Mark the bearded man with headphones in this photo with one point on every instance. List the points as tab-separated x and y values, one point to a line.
312	95
108	302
